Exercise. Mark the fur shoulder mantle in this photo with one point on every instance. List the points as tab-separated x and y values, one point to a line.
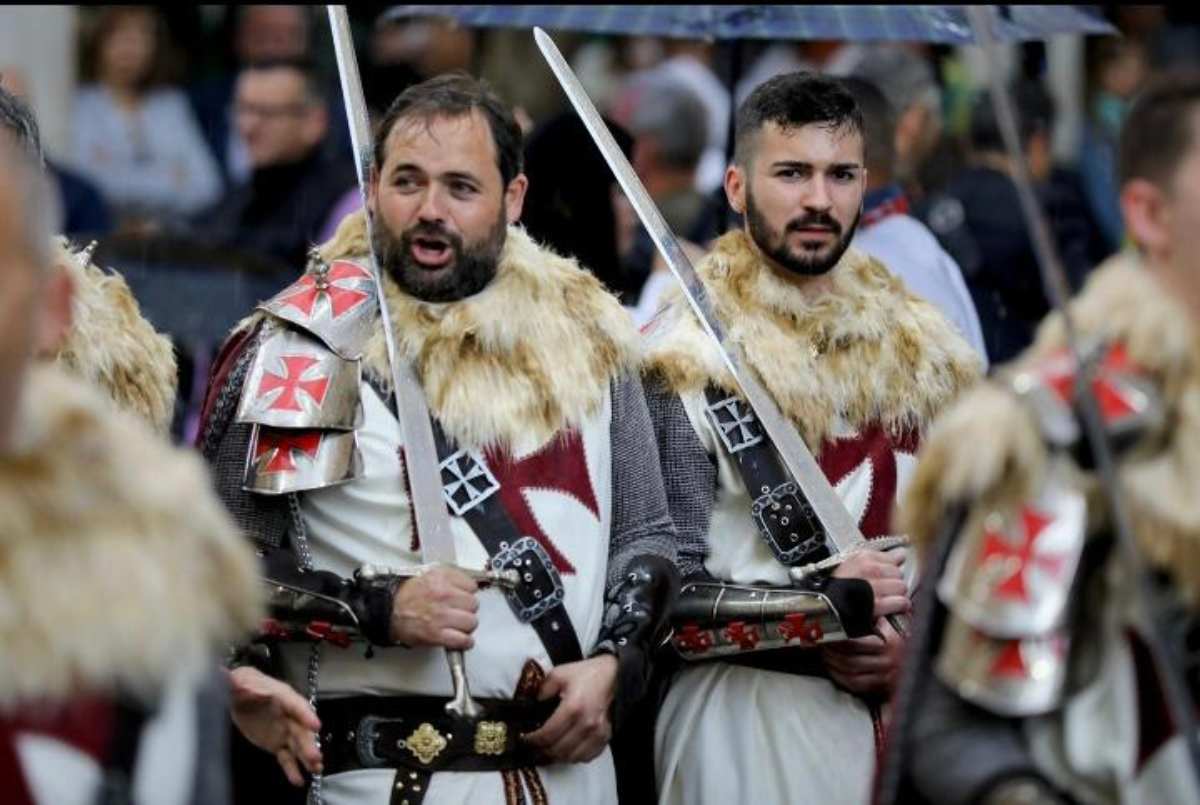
112	345
865	350
1123	303
117	565
532	353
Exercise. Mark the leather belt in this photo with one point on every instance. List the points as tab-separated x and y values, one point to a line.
415	733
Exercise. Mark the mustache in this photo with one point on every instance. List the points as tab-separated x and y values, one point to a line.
431	229
814	219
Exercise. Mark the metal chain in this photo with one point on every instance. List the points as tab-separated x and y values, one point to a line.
314	668
299	532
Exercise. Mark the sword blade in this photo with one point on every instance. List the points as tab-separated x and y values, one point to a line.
424	476
840	529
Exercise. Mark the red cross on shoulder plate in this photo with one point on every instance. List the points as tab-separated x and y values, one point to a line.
1011	570
284	460
295	381
336	303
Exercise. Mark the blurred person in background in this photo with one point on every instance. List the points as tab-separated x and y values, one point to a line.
135	137
1116	69
670	137
908	82
261	33
576	218
80	208
282	209
888	233
977	218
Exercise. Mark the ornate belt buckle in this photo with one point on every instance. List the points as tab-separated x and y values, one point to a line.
541	588
490	737
426	743
788	523
364	741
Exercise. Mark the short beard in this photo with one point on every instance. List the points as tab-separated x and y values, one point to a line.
469	272
774	245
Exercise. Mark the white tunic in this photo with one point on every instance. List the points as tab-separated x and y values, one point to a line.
369	520
728	733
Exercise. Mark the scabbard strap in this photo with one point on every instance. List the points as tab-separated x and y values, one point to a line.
539	600
784	518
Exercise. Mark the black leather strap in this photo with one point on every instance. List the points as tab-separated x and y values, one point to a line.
497	532
784	518
416	734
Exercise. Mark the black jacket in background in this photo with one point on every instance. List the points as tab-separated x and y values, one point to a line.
281	211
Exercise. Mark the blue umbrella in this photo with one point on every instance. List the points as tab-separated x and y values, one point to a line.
942	24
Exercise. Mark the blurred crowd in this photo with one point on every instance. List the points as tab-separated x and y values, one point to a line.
223	127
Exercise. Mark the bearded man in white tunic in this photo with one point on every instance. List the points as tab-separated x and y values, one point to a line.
786	706
548	467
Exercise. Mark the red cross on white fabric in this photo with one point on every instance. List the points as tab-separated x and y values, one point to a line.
281	443
85	725
997	547
1059	374
294	368
560	466
876	448
304	294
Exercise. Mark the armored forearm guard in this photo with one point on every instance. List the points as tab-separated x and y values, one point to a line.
717	619
638	608
320	605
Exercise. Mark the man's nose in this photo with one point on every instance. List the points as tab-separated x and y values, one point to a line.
432	207
818	197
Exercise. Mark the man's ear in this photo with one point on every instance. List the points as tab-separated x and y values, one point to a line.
735	188
1147	217
54	324
514	197
373	189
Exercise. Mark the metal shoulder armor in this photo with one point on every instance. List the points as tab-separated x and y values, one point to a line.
302	390
714	619
1009	578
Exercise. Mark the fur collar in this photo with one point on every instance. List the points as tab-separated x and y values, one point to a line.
111	345
867	350
1006	460
117	565
532	353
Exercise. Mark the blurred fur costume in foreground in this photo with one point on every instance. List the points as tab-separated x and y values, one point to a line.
535	376
111	344
150	582
1041	675
859	371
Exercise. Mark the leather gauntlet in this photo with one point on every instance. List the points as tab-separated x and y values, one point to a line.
716	619
635	622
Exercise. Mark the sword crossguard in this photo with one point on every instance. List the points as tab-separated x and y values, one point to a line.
507	579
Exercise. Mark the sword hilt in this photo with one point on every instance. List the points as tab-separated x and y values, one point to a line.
461	705
507	579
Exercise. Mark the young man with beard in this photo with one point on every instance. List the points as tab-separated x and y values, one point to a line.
121	576
859	365
531	373
1037	684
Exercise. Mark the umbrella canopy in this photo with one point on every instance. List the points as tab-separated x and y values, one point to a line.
942	24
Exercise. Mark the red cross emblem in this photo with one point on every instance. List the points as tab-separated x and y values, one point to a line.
996	546
840	457
693	640
281	444
294	368
560	466
1010	660
338	285
1115	403
745	636
796	626
85	725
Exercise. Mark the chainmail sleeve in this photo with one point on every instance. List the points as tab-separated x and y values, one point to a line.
224	444
689	475
641	521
